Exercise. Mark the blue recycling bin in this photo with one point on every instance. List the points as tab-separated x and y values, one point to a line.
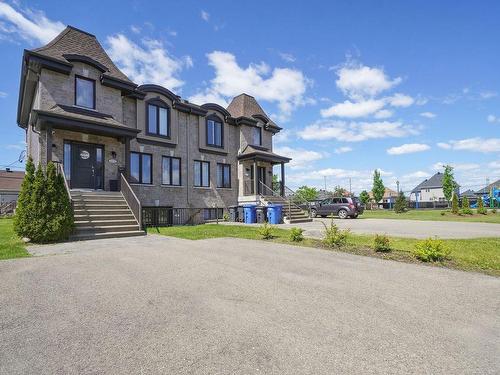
274	213
250	213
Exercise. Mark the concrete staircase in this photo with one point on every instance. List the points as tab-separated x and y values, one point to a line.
102	214
291	213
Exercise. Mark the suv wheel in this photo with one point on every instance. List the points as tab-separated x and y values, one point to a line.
342	214
314	213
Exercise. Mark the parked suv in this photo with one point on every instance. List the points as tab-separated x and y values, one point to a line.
341	207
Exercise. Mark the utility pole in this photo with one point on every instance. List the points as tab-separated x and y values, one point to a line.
325	181
350	190
397	183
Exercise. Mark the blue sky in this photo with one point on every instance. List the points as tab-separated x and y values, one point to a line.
404	87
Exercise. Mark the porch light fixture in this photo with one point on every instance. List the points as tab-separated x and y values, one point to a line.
113	155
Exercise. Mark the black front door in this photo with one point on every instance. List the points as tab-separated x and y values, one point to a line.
86	166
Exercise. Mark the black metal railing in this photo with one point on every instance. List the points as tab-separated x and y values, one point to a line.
133	202
168	216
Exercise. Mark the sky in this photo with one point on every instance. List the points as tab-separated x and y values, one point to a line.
405	87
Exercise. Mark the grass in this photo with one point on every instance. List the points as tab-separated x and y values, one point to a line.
11	246
435	215
478	254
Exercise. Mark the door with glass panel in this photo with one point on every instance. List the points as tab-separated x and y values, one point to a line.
84	165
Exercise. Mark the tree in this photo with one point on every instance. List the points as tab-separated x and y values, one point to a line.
38	207
378	188
22	218
306	193
480	206
400	204
276	184
339	191
454	204
465	206
449	184
364	197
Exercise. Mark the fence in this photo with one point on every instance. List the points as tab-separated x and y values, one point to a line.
168	216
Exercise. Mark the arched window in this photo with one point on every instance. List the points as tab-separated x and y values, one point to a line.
157	118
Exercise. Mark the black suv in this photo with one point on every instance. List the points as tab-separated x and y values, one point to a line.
341	207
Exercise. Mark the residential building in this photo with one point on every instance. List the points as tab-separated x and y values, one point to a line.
487	189
80	110
388	198
10	185
429	193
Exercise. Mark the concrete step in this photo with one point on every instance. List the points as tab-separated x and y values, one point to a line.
304	220
98	199
106	228
110	222
96	236
91	206
100	211
104	216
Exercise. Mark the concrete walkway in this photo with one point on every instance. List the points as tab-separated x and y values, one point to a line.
158	305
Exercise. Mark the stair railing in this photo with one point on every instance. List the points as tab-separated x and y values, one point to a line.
133	202
290	198
66	186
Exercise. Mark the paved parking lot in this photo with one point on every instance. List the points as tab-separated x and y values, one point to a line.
151	305
404	228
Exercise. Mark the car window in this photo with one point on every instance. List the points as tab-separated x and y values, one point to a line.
344	200
326	201
336	200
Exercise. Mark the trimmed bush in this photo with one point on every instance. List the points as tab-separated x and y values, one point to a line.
443	213
296	234
466	207
335	237
48	215
266	231
454	204
431	250
400	204
381	243
22	219
480	207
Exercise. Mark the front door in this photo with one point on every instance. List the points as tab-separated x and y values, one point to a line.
261	181
86	166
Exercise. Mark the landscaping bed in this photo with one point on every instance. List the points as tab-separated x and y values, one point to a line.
478	254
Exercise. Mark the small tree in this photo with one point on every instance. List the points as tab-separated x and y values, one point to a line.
378	188
480	206
22	219
306	193
465	206
339	191
364	197
400	205
276	184
454	204
38	207
449	184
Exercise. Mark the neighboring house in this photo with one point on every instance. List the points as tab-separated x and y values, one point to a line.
80	110
10	185
487	189
389	196
469	194
430	192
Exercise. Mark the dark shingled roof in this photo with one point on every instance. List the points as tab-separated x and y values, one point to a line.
255	152
72	41
245	105
435	181
468	193
11	181
82	114
486	189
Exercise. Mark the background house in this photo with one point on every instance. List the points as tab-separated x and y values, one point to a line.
10	185
487	189
429	193
387	200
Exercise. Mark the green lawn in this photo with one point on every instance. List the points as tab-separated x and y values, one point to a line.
479	254
10	245
431	215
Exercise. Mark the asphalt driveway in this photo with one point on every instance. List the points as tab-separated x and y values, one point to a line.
404	228
150	305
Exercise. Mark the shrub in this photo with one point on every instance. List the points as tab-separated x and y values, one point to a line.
296	234
480	207
466	207
335	237
454	204
225	217
443	213
381	243
22	218
431	250
266	231
400	204
493	211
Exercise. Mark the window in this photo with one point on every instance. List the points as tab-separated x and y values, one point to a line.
171	171
67	160
257	136
214	132
158	119
223	175
201	173
141	167
213	213
84	92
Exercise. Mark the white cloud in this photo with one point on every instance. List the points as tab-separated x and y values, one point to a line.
488	94
31	25
428	114
288	57
444	146
149	62
283	86
358	81
135	29
384	113
353	109
456	166
400	100
494	164
301	158
408	148
20	146
205	16
3	94
493	119
355	131
417	174
473	144
342	150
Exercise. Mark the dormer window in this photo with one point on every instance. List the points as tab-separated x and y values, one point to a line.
257	136
214	132
84	92
158	119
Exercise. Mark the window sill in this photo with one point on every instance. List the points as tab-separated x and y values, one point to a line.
225	188
139	184
202	187
171	186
